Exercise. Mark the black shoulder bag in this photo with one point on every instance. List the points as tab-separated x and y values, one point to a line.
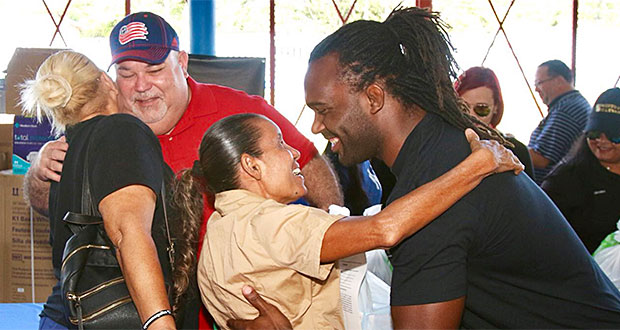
94	291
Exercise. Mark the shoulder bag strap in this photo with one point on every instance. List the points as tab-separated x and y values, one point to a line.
170	247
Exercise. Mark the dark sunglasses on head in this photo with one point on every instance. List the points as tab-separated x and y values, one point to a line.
593	135
482	109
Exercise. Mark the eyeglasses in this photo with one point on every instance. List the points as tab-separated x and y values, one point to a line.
482	109
538	83
593	135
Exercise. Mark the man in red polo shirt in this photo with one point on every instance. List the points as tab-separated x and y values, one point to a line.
154	86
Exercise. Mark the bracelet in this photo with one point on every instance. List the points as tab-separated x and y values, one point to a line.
154	317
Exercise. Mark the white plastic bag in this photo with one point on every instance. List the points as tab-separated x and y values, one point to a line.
376	287
608	256
375	291
365	286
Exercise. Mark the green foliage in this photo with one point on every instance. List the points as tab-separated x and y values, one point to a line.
94	19
298	16
603	12
97	18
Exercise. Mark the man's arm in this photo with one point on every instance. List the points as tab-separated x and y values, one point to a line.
441	315
538	160
320	179
46	168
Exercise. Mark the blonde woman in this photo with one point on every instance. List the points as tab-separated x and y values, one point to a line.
125	170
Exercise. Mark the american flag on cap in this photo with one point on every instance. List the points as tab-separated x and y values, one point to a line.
142	36
132	31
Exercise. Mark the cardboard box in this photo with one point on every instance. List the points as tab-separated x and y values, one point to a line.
6	140
2	102
23	66
28	137
19	227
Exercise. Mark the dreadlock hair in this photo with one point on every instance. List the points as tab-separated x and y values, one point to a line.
411	55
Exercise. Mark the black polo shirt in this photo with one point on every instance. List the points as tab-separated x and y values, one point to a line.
589	197
504	246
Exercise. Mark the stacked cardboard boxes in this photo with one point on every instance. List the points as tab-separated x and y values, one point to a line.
26	271
26	255
6	140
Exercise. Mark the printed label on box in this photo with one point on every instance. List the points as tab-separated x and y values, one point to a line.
28	137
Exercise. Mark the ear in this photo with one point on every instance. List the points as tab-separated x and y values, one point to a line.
249	165
109	84
107	81
376	97
183	61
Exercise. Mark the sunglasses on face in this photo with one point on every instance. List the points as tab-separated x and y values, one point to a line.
482	109
593	135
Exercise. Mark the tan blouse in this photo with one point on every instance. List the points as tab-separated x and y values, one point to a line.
276	249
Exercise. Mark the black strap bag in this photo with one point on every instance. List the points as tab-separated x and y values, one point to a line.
94	291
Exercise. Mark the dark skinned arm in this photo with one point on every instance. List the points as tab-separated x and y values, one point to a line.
269	316
441	315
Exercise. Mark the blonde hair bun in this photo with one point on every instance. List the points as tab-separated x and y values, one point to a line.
53	91
65	83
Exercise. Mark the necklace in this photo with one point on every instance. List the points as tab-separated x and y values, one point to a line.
613	169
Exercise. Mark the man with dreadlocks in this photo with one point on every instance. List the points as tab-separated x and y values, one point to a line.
501	257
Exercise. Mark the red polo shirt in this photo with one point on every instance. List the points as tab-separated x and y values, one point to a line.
208	104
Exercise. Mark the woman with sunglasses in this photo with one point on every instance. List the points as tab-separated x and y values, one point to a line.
586	184
479	88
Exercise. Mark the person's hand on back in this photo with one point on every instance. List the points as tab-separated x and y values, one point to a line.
269	316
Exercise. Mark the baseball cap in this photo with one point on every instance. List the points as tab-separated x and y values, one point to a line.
605	116
142	36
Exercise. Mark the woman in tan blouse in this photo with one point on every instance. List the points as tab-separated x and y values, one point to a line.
287	252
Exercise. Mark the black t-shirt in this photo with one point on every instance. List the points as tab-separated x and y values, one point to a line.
124	151
589	197
504	246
